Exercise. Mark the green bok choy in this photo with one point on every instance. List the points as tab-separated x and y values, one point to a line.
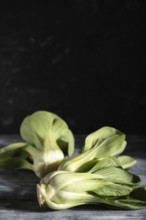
47	141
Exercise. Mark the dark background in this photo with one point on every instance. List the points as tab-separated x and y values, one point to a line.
83	60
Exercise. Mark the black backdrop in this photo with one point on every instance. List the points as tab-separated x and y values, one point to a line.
84	60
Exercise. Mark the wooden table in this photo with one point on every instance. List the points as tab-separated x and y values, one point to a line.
18	190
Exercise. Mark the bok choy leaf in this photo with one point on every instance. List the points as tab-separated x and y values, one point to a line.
102	143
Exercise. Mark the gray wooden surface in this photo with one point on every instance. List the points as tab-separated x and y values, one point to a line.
18	190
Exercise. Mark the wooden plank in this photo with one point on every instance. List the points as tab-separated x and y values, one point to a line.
30	210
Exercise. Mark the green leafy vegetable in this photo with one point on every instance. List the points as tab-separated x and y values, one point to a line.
97	175
47	141
104	142
65	189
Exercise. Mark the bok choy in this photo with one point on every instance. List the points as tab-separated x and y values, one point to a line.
99	174
109	186
47	141
107	141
